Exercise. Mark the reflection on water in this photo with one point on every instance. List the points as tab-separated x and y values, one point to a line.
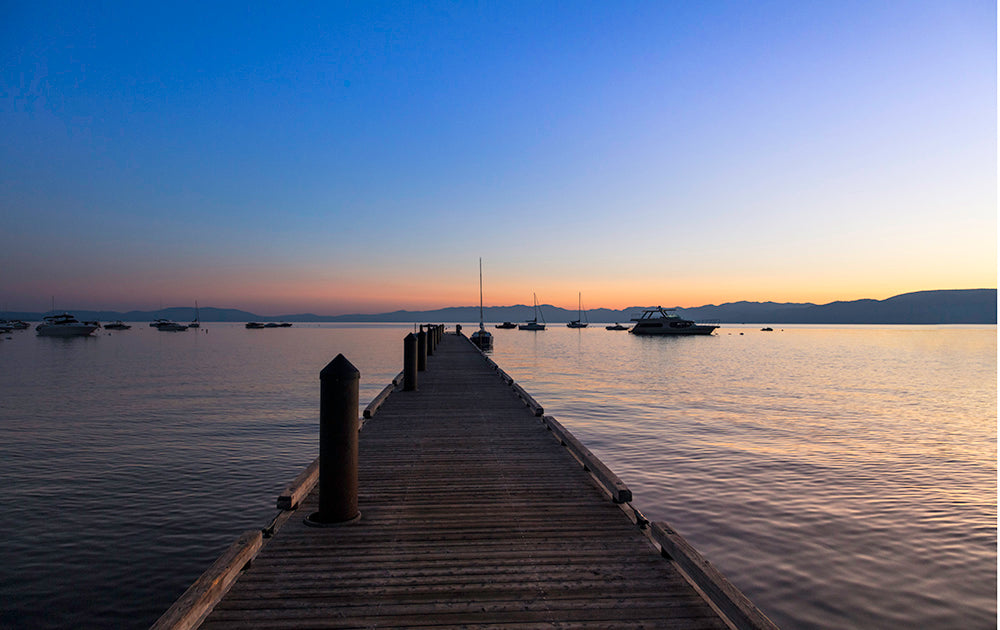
841	476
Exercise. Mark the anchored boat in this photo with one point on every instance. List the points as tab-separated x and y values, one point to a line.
532	324
482	337
581	315
657	321
64	325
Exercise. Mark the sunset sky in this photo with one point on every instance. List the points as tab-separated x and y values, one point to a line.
361	157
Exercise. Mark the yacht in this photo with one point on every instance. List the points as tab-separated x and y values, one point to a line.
253	325
507	326
168	326
657	321
64	325
580	315
532	324
617	326
117	325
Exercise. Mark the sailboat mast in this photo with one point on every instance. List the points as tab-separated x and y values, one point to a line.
481	293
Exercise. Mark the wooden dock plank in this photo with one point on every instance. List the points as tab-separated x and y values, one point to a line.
472	515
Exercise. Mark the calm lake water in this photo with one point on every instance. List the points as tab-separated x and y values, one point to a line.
840	476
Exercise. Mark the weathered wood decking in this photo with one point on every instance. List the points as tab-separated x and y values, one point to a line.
474	516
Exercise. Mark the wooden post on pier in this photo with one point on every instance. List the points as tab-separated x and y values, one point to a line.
338	444
410	363
422	350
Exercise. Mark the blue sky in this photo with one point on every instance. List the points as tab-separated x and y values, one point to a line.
362	156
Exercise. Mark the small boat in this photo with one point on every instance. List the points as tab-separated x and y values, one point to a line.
271	325
507	326
657	321
156	323
254	325
482	337
617	326
767	329
117	325
532	324
15	324
197	317
580	315
64	325
284	325
169	326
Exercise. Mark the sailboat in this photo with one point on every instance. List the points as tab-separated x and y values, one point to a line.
532	324
482	337
197	317
580	315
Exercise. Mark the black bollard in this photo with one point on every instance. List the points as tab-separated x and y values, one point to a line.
410	363
430	341
338	444
422	346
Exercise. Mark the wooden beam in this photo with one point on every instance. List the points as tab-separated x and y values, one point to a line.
300	487
201	597
537	409
729	600
615	486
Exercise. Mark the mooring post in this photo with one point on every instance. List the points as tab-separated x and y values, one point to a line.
430	344
410	363
338	444
422	347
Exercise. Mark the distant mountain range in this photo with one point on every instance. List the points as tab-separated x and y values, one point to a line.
960	306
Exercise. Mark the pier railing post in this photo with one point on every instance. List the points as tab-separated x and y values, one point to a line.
430	340
422	347
338	444
410	363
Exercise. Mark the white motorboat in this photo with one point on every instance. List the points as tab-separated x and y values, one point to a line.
581	315
64	325
532	324
482	337
658	321
169	326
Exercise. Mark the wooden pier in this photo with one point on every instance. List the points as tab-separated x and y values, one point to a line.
477	510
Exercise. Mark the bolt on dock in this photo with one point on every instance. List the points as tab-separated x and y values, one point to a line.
476	510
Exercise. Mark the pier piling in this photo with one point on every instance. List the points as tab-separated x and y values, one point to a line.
410	363
423	348
338	443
